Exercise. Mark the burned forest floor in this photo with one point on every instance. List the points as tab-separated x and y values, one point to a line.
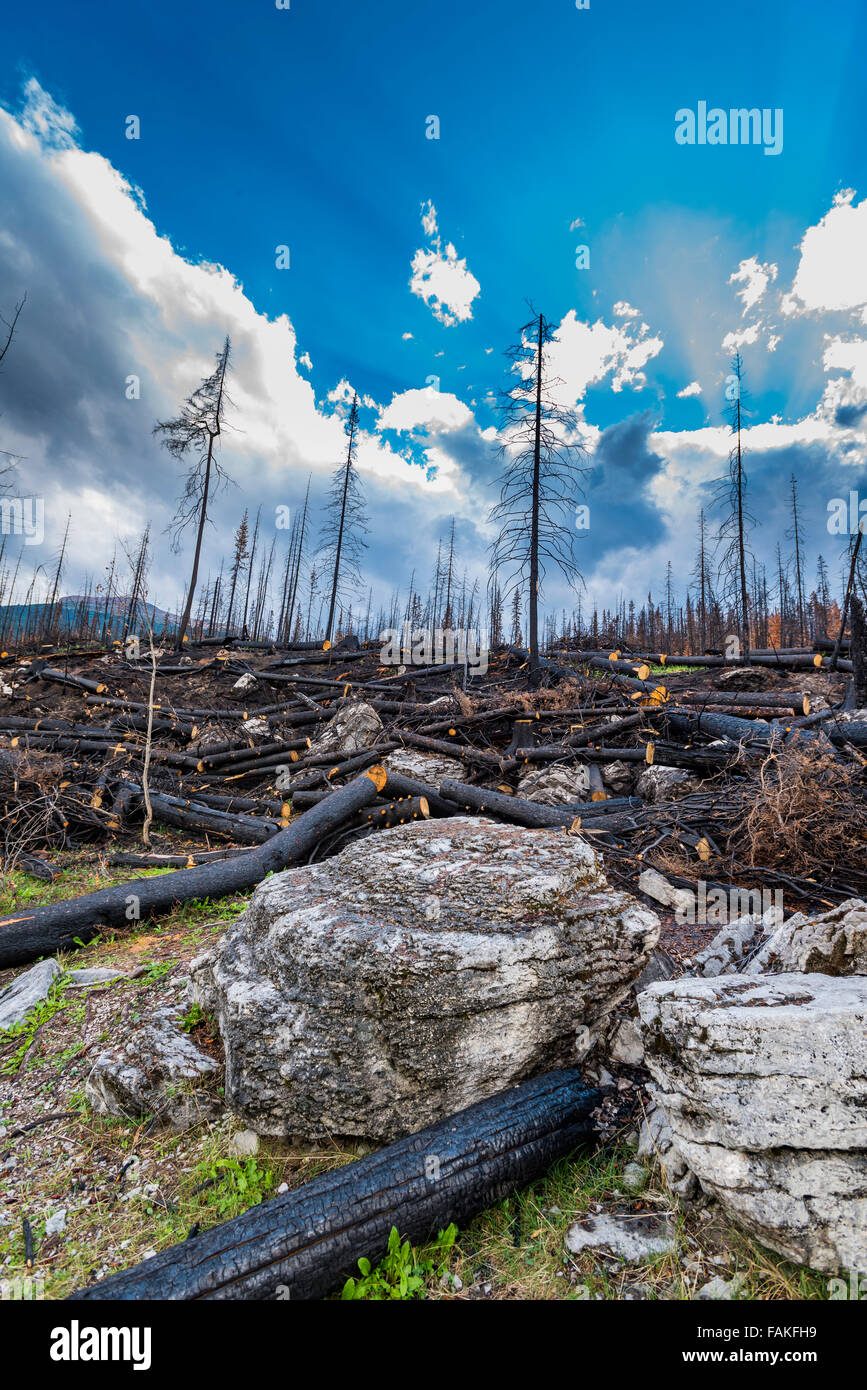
234	740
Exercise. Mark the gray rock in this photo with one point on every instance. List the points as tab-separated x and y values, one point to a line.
554	786
661	966
720	1290
833	943
26	991
354	727
347	1009
656	1146
56	1223
618	777
157	1070
666	783
634	1176
630	1239
763	1084
626	1045
431	768
245	1143
651	882
245	682
731	947
96	976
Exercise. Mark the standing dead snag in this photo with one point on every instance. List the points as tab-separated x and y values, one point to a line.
197	427
733	491
540	480
342	539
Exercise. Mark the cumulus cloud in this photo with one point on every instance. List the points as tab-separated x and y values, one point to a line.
754	278
693	389
441	278
424	408
832	272
584	354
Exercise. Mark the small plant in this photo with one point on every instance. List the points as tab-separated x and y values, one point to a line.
402	1273
241	1185
192	1018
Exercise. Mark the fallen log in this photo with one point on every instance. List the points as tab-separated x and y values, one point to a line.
512	808
306	1243
40	931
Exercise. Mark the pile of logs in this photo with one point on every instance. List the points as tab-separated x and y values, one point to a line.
224	758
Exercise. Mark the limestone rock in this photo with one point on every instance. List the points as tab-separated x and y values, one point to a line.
554	785
157	1070
349	1008
666	784
26	991
655	1144
83	979
626	1045
628	1238
657	887
661	966
354	727
731	947
764	1086
431	768
834	943
618	777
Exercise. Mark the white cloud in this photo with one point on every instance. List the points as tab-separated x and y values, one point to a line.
441	278
693	389
406	336
754	278
424	408
624	310
584	353
832	272
742	337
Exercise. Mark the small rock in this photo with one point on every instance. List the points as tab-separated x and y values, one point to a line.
634	1176
719	1289
96	976
246	682
628	1238
56	1223
626	1044
655	886
245	1143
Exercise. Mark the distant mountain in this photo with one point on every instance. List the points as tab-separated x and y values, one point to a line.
84	614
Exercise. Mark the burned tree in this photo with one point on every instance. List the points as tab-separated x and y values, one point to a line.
540	480
732	492
196	430
342	540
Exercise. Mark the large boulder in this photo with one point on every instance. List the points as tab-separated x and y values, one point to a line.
415	973
763	1084
833	943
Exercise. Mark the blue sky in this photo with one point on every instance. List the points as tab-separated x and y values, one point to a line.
306	127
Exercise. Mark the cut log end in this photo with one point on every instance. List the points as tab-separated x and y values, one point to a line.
377	775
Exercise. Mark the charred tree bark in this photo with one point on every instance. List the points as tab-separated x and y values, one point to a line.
309	1241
